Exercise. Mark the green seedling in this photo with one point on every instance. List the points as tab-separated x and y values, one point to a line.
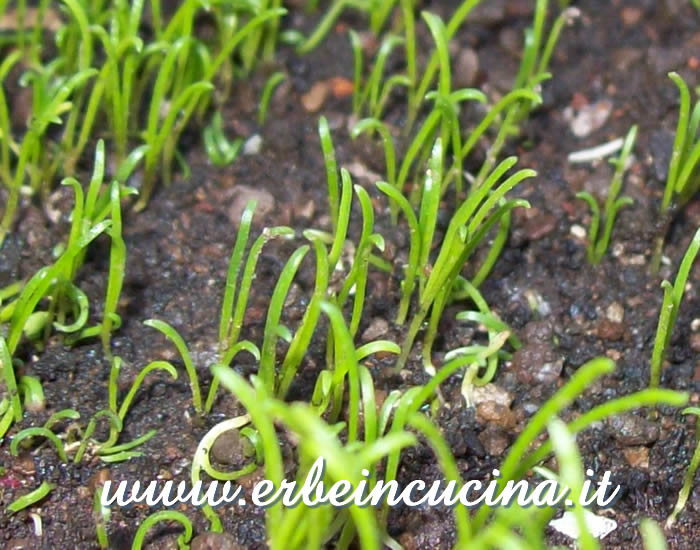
116	426
597	246
532	72
270	85
32	394
683	179
101	515
171	334
357	276
61	415
421	87
201	461
498	334
117	268
449	106
331	169
374	95
689	474
88	219
31	498
10	405
371	125
302	337
571	476
43	283
115	414
327	22
49	104
422	228
470	223
157	517
38	431
652	535
266	370
682	182
233	309
673	295
220	150
300	526
7	143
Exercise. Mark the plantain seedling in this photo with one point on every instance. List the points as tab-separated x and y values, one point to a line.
683	179
420	87
673	295
157	517
101	515
374	94
31	498
270	85
50	102
537	54
466	230
233	308
689	474
109	451
328	20
652	535
38	431
10	405
312	527
597	246
220	150
498	334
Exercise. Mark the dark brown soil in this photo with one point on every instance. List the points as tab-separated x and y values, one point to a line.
178	251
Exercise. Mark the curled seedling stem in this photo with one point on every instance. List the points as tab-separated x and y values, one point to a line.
25	501
157	517
38	432
172	335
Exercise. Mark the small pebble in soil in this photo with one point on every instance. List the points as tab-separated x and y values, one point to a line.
314	99
215	541
695	342
466	68
494	440
615	312
242	194
537	361
578	231
230	448
252	145
609	330
637	457
589	118
631	430
493	406
378	328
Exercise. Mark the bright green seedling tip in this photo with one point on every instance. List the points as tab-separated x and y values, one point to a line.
673	295
652	535
690	473
598	246
176	339
32	497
